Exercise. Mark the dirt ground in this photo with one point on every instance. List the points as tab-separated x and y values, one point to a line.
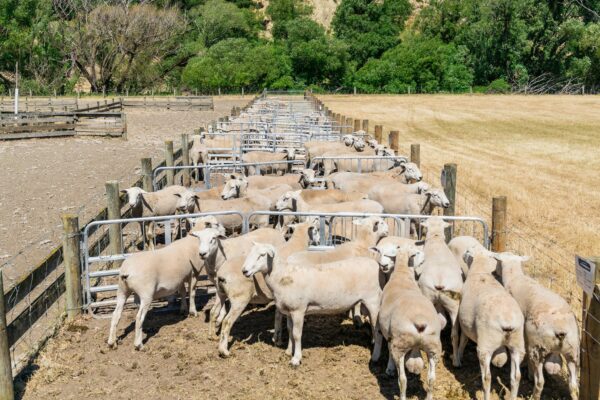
42	178
539	151
179	362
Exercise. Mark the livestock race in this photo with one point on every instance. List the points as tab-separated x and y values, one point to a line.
287	207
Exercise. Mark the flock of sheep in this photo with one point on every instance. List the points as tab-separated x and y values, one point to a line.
409	288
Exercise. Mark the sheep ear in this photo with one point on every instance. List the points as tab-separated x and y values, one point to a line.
375	250
195	233
525	258
468	257
232	176
123	191
420	243
177	194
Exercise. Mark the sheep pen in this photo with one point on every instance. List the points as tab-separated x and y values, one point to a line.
182	362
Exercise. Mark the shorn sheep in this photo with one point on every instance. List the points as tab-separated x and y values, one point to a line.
551	329
408	320
301	290
490	317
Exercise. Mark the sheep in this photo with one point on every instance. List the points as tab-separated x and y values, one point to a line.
167	201
319	149
267	156
331	288
307	178
491	317
384	191
458	245
232	285
263	182
152	275
550	326
214	252
387	247
362	182
293	201
198	155
440	276
408	320
235	189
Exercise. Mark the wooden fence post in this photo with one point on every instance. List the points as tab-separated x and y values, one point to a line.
415	154
6	378
449	184
394	141
185	159
113	197
589	380
71	261
349	126
124	126
356	125
147	174
499	224
365	125
169	159
379	133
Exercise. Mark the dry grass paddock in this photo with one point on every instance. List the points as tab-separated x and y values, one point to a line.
539	151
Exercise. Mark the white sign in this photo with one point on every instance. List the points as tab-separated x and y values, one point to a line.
585	270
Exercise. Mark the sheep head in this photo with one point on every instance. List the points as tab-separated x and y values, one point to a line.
260	259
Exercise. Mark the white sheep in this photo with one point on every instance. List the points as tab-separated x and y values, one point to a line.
490	317
214	251
167	201
408	320
550	326
301	290
232	285
267	156
440	276
363	182
459	245
151	275
293	201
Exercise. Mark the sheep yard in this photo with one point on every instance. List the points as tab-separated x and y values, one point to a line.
532	168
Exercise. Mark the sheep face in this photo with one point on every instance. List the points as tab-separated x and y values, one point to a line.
307	176
348	140
377	224
187	201
387	254
438	198
233	187
208	242
291	153
314	232
288	202
260	259
422	187
372	143
412	173
359	144
435	225
134	195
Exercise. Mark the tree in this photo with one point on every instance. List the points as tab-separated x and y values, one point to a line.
219	20
112	44
282	11
370	27
422	64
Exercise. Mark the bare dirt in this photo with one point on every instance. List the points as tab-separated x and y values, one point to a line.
42	178
178	361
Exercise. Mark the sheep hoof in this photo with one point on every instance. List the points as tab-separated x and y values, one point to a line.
295	362
112	346
193	313
224	353
390	372
357	321
456	363
139	347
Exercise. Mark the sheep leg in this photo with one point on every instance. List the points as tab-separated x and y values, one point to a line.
451	307
398	356
538	377
457	362
356	317
515	372
298	322
183	294
214	311
290	348
485	358
572	366
122	295
390	370
192	310
237	308
277	332
139	321
373	310
431	374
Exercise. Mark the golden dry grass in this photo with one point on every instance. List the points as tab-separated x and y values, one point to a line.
542	152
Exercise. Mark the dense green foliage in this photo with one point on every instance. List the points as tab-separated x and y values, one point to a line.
376	46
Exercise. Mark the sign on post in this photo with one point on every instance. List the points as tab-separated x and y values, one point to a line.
585	271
